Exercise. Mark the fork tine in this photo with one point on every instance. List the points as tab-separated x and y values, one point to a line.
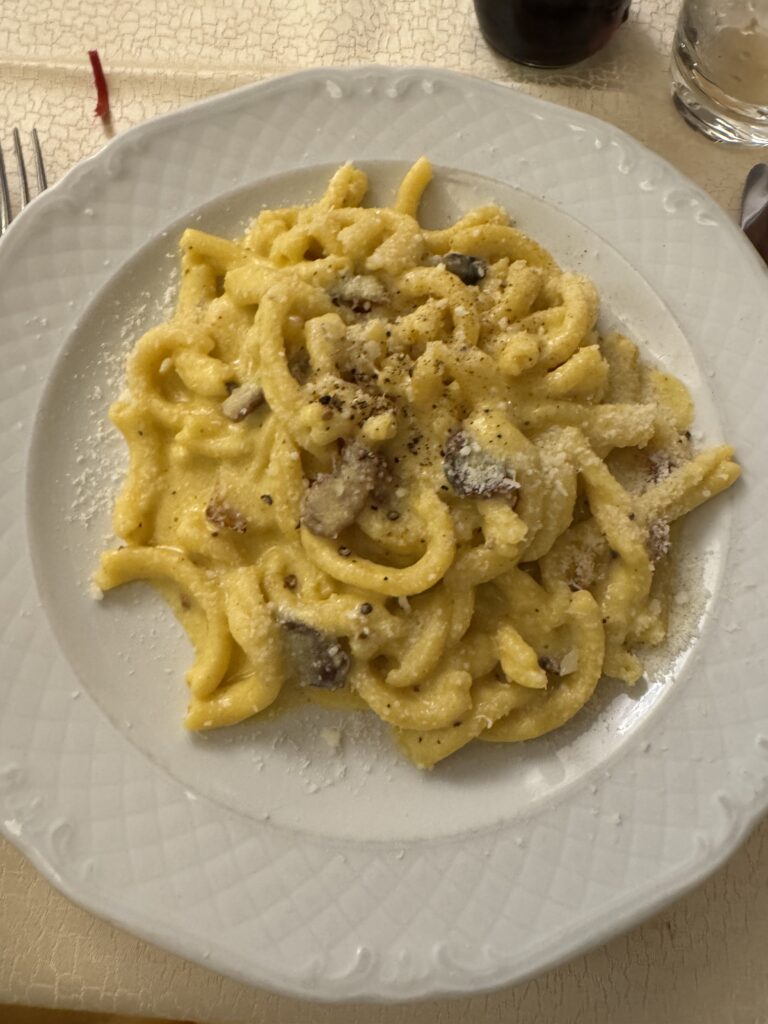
42	180
6	213
23	183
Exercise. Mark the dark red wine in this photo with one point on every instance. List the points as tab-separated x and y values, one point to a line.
549	33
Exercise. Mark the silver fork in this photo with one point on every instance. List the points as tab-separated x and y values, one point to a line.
6	209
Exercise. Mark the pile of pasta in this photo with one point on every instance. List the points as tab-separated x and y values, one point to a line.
381	466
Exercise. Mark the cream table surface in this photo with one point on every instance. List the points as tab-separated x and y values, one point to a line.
704	960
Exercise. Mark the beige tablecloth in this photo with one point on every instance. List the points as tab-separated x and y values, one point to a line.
701	962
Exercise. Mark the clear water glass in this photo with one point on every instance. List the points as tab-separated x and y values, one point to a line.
720	69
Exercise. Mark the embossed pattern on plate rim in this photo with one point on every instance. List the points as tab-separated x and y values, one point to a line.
426	959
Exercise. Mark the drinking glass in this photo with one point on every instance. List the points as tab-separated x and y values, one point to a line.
720	69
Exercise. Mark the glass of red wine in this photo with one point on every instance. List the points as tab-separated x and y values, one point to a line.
549	33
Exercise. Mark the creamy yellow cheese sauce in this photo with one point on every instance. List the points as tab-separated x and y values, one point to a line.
382	467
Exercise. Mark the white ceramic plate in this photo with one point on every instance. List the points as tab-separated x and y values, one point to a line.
264	852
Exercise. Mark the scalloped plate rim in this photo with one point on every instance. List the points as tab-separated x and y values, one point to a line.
707	861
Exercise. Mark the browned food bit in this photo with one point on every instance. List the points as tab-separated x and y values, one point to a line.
223	515
242	401
468	269
334	500
549	664
657	543
360	293
319	659
660	465
560	666
299	367
473	472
